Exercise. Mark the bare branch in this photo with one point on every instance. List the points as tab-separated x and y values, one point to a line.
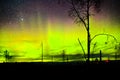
82	47
104	34
81	19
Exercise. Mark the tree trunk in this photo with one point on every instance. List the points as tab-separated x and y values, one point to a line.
88	31
88	46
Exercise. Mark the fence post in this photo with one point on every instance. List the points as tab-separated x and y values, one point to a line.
63	55
100	55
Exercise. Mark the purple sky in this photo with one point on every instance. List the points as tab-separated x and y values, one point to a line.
12	10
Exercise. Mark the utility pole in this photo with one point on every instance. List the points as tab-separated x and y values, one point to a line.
42	52
100	55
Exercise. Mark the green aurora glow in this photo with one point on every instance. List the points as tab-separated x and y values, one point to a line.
56	35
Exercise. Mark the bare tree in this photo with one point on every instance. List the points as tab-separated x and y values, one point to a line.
80	11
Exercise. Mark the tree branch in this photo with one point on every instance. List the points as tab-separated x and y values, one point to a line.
82	47
78	14
104	34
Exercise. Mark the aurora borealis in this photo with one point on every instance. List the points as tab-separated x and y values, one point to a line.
26	24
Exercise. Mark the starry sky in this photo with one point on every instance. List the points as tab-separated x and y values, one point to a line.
26	23
15	10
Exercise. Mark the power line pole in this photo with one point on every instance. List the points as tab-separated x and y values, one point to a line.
100	55
42	52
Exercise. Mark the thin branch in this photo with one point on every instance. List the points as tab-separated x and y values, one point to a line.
106	35
82	47
94	47
79	15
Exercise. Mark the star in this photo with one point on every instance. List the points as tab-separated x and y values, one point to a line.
22	19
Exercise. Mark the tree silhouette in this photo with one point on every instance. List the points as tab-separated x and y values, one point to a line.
80	11
7	55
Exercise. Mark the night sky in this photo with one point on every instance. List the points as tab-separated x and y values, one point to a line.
25	24
14	10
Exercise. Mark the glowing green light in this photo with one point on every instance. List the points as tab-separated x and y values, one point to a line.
56	36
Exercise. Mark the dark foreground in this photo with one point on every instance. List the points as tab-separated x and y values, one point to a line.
71	67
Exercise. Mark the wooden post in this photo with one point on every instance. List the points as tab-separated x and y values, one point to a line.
42	51
63	55
100	55
115	55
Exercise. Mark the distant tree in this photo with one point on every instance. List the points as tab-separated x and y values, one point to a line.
80	11
7	55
